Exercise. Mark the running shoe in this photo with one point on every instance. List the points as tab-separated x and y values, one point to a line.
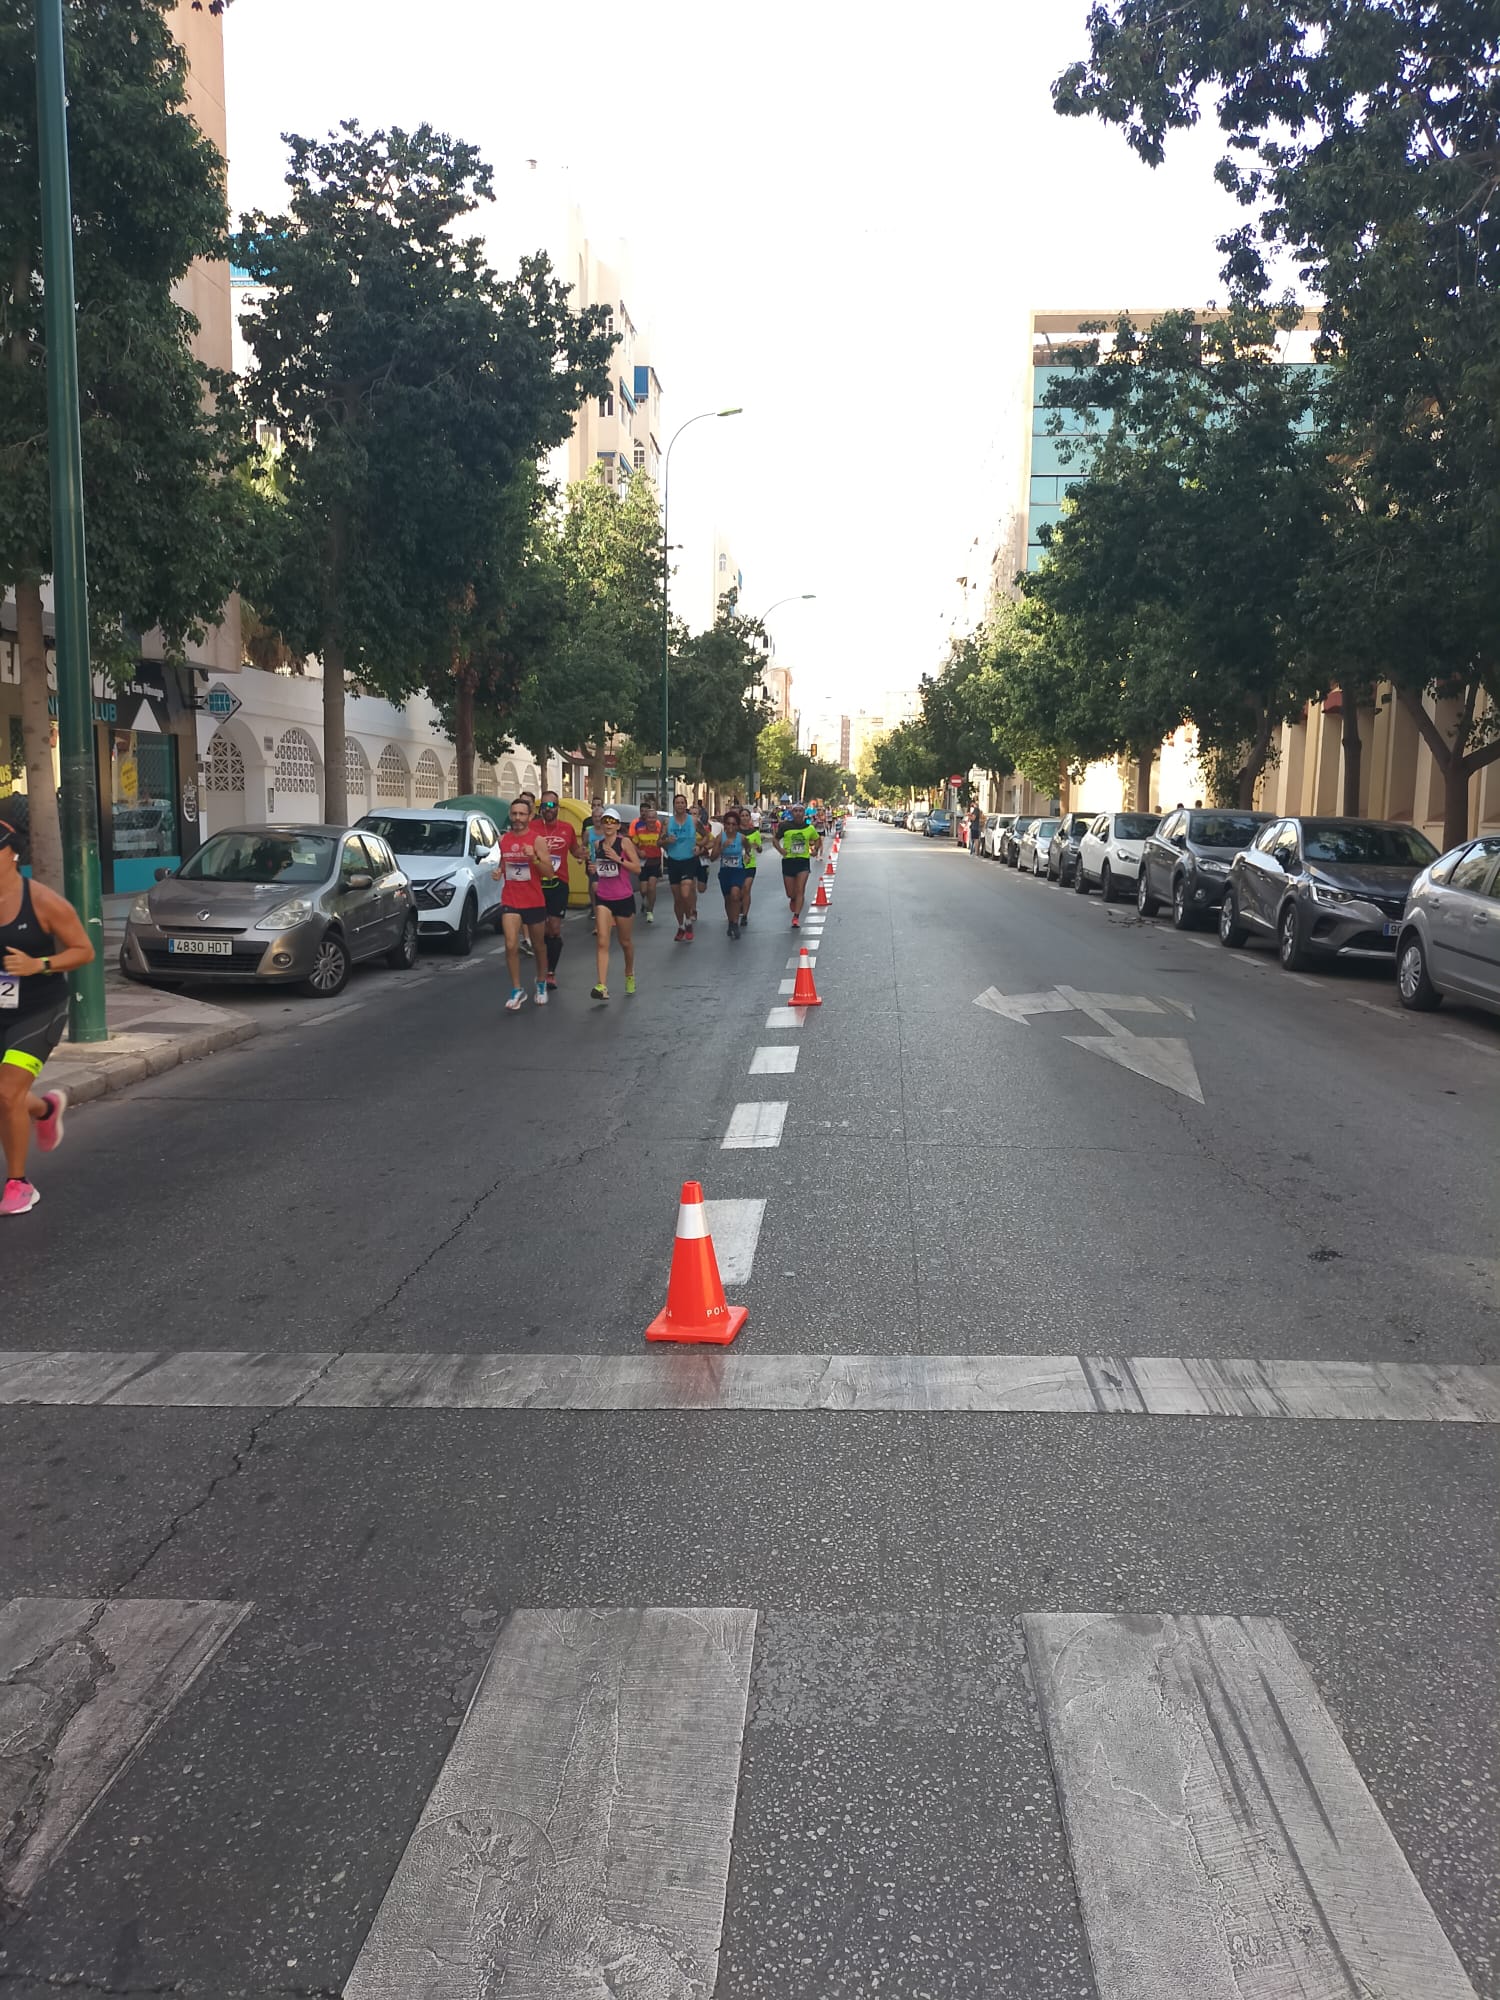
681	933
598	993
516	1001
744	920
19	1196
650	916
630	983
541	993
796	923
49	1130
526	945
551	983
734	930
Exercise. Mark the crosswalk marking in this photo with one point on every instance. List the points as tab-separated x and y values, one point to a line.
577	1838
735	1229
1223	1842
1067	1384
773	1060
755	1125
84	1682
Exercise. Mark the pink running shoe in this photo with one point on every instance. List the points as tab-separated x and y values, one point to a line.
19	1197
49	1130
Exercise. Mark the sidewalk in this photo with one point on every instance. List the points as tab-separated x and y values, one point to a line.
148	1032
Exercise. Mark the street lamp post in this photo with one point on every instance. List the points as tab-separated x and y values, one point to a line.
75	709
666	560
797	597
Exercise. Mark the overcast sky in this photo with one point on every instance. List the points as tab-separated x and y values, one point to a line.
839	217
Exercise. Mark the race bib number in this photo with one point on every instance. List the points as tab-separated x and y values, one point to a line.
518	871
10	993
607	870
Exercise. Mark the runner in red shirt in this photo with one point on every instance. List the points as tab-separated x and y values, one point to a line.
561	838
525	865
645	832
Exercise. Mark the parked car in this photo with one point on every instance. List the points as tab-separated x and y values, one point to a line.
450	857
898	817
994	828
1323	888
1062	855
283	905
1036	844
916	819
1010	840
1186	861
1450	935
938	824
1109	855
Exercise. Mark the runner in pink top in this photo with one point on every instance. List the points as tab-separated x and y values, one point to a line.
613	868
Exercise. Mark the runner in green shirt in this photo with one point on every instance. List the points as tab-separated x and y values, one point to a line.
754	841
798	844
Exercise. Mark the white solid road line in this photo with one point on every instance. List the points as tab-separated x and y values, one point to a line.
735	1229
754	1125
773	1060
1065	1384
788	1017
580	1826
1222	1840
152	1650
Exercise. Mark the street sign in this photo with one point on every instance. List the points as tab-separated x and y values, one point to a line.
221	703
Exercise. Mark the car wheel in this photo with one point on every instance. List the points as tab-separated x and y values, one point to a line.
1106	884
1414	985
331	964
1290	948
1080	879
1231	931
468	928
403	955
1182	910
1145	902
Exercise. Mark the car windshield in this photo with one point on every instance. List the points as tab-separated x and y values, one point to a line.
1134	826
418	836
262	857
1045	826
1224	829
1376	846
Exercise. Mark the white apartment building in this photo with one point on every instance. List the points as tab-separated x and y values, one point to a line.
728	577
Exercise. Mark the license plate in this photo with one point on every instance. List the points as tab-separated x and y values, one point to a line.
199	947
1392	929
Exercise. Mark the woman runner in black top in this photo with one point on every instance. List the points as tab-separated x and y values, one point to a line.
42	939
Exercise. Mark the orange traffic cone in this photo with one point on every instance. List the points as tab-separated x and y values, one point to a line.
804	992
820	901
695	1308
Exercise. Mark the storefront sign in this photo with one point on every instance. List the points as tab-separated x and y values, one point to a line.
222	704
104	711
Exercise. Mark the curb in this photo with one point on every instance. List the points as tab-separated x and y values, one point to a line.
97	1070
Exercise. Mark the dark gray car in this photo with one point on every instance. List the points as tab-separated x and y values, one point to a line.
1186	861
287	905
1450	934
1062	855
1323	888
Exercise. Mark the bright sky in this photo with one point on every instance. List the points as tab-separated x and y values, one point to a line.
838	217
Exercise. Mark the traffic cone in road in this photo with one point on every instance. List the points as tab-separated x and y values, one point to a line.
820	901
804	992
695	1308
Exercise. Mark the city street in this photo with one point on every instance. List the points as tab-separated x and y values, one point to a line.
989	1648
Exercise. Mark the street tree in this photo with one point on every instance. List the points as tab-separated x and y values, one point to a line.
408	386
716	714
1366	134
164	525
775	749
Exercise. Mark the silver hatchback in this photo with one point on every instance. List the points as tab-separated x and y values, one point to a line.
287	905
1450	932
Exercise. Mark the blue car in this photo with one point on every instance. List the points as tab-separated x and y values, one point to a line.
939	825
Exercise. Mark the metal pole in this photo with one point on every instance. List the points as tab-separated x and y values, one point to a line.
75	707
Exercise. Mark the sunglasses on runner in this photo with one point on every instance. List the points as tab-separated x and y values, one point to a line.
549	807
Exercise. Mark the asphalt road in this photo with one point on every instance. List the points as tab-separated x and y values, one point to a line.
887	1758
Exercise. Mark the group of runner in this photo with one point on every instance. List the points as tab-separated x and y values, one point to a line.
540	849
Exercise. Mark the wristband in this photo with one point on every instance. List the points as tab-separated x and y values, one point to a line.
47	966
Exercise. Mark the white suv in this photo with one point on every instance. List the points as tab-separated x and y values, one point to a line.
450	856
1109	855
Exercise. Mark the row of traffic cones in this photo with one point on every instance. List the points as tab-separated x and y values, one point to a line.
696	1310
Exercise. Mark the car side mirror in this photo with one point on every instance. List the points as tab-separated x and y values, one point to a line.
1288	863
360	881
162	874
1179	840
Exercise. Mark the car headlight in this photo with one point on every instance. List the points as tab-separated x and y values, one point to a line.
1323	893
285	915
140	910
440	884
1219	869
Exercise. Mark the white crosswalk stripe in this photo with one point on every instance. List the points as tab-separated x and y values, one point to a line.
755	1125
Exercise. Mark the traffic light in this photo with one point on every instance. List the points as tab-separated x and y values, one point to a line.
812	749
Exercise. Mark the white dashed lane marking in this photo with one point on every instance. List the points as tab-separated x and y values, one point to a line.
787	1017
735	1229
774	1061
755	1125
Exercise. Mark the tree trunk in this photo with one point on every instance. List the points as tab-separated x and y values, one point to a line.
335	769
1455	803
1450	760
463	728
1248	775
1354	752
1143	763
36	733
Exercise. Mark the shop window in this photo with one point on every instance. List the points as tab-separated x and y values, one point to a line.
143	795
224	767
297	764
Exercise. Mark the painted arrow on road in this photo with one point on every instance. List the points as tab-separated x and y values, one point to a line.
1163	1059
